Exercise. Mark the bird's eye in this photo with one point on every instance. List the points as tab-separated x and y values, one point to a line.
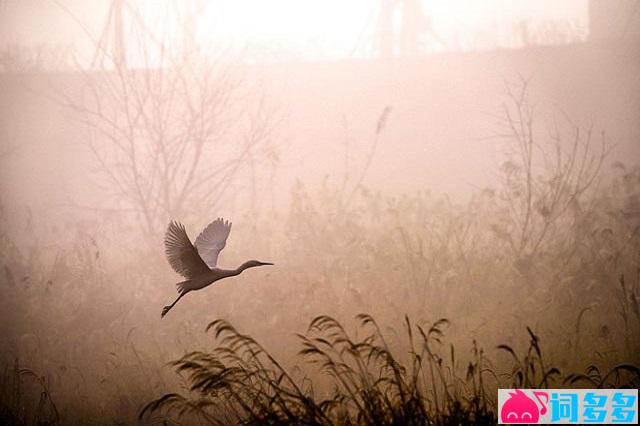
525	414
512	414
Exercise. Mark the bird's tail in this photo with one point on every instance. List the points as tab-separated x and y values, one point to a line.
182	286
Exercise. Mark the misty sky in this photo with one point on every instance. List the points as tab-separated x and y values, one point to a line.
315	27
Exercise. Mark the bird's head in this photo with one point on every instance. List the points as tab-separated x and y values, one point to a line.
254	263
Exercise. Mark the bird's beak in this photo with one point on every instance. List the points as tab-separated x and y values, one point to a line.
265	263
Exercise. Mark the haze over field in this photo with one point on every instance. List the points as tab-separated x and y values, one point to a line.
466	173
305	28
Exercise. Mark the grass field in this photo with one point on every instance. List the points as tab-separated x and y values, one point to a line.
83	341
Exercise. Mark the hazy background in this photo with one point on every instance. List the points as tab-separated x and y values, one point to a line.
476	161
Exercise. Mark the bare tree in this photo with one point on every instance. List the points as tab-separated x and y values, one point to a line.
171	136
544	179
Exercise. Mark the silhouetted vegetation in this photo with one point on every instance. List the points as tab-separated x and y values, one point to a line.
368	383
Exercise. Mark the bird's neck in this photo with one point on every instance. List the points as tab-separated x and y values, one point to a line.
233	272
245	265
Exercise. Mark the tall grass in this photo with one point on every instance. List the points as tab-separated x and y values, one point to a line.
17	405
356	381
366	381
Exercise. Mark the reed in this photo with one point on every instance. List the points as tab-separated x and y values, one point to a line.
369	382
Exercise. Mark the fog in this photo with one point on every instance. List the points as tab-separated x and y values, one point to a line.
450	198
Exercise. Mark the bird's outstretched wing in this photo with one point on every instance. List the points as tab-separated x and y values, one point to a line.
181	254
212	240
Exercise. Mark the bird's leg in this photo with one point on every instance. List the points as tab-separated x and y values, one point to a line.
168	307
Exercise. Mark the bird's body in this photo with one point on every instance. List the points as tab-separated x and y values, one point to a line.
204	280
198	263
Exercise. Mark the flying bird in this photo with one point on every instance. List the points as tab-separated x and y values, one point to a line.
198	263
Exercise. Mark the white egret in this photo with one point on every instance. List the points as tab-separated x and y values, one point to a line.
198	263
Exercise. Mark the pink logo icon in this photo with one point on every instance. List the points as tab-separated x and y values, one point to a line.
519	408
